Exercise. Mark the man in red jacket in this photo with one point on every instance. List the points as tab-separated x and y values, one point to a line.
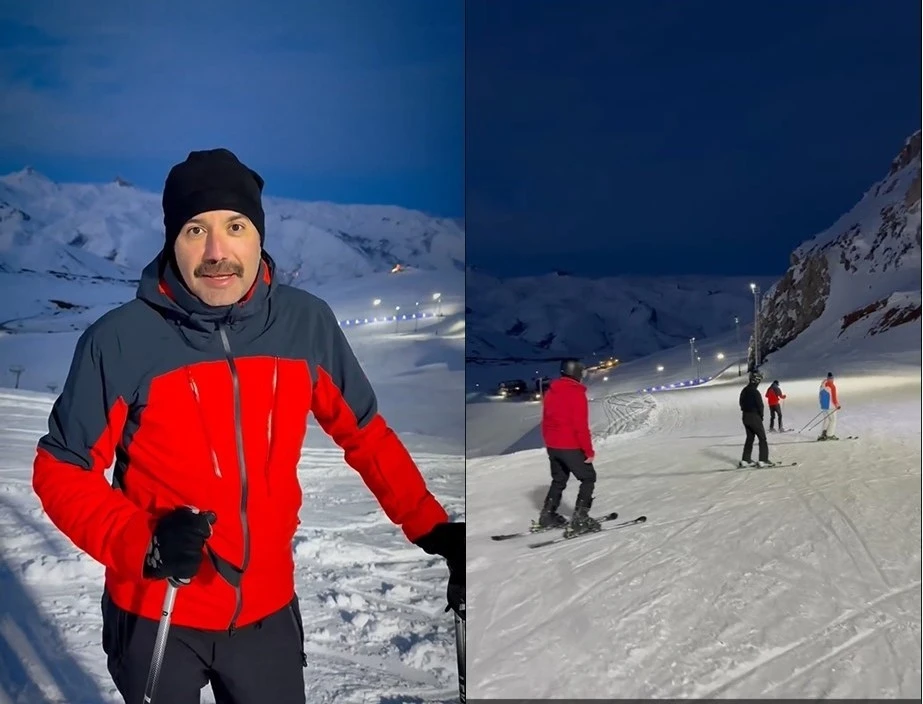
200	389
774	397
566	434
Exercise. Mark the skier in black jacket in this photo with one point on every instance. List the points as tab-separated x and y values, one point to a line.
752	415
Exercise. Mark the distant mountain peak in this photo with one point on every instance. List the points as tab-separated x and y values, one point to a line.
25	175
910	151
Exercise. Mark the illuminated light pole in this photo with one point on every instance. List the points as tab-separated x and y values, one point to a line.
737	325
692	354
756	325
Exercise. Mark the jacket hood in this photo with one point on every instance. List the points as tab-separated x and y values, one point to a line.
162	288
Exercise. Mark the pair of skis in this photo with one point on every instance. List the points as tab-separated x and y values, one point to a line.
754	465
773	465
608	518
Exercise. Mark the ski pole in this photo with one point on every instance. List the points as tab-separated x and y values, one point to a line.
460	652
163	630
810	422
828	414
160	645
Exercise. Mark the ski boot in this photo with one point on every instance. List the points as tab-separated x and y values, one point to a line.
549	518
743	464
581	522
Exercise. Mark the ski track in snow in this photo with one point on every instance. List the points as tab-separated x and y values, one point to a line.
800	582
372	603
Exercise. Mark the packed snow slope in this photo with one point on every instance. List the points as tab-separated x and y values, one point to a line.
795	582
859	277
121	225
546	317
372	603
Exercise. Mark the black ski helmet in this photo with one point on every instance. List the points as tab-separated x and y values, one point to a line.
756	376
573	368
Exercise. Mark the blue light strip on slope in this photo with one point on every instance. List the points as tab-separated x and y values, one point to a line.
352	322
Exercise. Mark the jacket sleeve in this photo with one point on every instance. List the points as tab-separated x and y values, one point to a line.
582	419
833	397
68	477
346	408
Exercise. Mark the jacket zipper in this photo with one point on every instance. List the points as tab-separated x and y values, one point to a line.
241	462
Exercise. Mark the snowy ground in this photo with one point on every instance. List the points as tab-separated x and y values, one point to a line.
800	582
372	603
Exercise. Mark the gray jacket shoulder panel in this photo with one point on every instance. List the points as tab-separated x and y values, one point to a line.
320	340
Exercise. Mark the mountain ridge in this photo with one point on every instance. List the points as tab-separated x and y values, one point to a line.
865	267
312	242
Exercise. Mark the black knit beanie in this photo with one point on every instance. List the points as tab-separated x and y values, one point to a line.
213	179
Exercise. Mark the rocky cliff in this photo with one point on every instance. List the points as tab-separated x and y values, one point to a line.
865	267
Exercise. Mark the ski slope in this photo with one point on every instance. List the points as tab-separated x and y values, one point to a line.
372	603
799	582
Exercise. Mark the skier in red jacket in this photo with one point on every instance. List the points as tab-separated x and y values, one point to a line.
566	434
774	398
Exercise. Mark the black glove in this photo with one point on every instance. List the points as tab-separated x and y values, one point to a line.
448	540
176	546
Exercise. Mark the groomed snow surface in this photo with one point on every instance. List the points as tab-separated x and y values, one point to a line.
798	582
372	603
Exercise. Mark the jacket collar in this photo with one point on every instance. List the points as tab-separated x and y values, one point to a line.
162	287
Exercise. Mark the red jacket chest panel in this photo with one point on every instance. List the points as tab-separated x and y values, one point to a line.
186	447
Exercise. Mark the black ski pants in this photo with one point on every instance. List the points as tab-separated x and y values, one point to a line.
773	412
753	423
563	464
261	663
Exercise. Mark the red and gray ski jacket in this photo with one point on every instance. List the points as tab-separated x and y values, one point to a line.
208	407
566	417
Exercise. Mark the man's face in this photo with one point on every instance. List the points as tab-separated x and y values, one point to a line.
218	255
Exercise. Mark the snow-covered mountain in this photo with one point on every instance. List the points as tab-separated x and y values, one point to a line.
111	230
543	317
71	252
859	278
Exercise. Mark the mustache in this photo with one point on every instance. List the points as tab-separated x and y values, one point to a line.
219	268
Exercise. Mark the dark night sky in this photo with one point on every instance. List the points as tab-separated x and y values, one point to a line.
666	137
352	101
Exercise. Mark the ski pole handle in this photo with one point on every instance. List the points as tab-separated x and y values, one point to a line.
163	628
183	581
